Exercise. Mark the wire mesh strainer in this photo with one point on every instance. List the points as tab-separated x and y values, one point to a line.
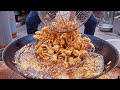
75	17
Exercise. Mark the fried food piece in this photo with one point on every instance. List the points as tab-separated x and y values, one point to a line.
67	52
54	57
71	61
56	48
83	54
76	53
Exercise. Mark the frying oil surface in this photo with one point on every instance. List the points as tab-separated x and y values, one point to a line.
29	65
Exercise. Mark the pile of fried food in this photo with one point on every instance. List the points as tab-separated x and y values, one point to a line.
60	55
67	49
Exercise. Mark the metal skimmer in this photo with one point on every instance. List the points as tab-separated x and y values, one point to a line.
80	17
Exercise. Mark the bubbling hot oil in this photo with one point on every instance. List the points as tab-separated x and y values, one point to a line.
30	66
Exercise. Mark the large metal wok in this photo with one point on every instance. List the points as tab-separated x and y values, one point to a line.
102	47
